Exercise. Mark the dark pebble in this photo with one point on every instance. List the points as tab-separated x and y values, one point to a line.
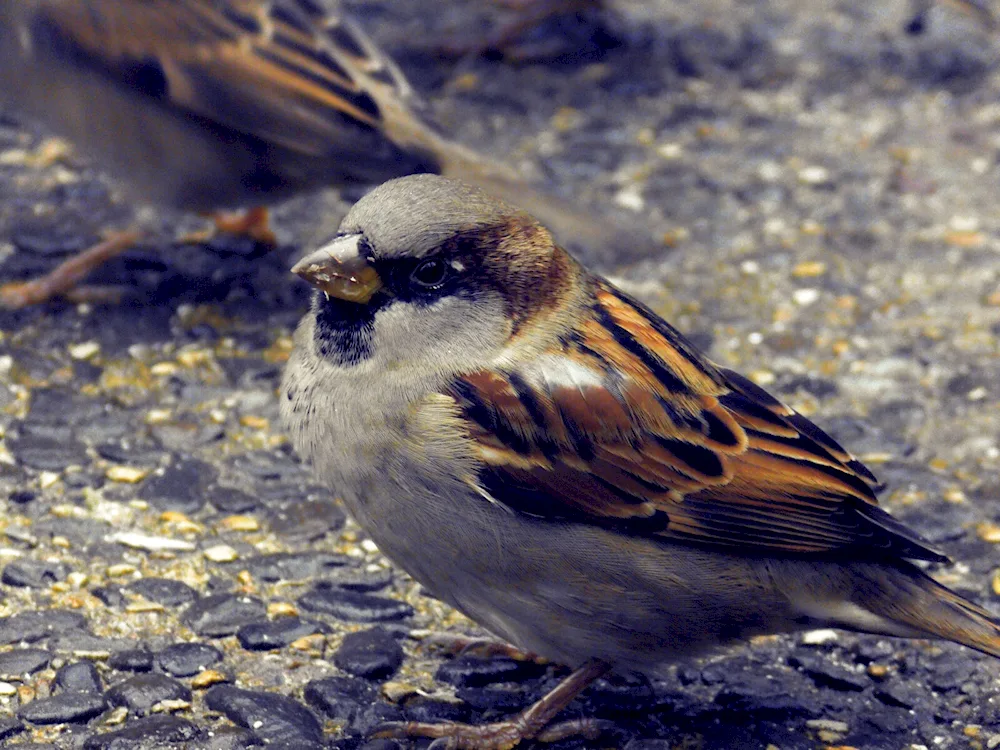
132	660
495	698
35	574
293	567
9	726
469	671
187	659
22	497
250	371
688	675
81	532
889	721
951	677
273	718
34	626
220	585
340	698
229	500
263	636
150	733
64	707
69	643
142	692
164	591
898	695
51	405
868	650
354	606
372	654
362	580
380	745
111	596
762	697
48	453
182	486
617	694
23	661
828	675
226	737
223	614
127	450
420	708
81	676
263	465
77	480
308	520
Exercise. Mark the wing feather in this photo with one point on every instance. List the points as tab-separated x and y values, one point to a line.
286	71
630	426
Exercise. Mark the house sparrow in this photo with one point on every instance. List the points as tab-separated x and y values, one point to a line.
212	104
547	455
527	15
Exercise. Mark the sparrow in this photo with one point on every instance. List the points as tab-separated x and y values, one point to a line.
506	39
544	453
215	104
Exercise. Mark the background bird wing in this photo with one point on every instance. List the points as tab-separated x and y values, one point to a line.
625	424
286	71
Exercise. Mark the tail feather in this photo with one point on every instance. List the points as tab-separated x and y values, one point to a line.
596	236
916	604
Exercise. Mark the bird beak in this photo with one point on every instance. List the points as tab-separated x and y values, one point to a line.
339	270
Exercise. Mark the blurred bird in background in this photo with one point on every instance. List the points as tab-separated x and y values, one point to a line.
206	105
978	10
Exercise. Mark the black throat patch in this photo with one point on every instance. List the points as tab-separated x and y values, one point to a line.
344	330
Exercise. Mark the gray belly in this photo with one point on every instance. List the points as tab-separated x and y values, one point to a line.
571	592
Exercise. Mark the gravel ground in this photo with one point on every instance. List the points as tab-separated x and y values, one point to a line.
825	185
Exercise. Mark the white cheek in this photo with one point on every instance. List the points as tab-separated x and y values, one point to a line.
450	335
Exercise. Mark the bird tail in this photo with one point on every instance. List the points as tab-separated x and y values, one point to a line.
596	236
900	599
978	10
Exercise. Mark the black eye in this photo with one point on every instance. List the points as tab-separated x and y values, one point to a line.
429	274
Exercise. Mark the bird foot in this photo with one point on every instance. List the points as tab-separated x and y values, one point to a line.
254	223
533	723
64	279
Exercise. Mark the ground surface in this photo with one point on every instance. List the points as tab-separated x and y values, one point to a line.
826	189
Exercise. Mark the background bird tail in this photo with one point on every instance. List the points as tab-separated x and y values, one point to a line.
595	235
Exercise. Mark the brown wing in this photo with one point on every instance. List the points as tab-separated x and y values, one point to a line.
627	425
285	71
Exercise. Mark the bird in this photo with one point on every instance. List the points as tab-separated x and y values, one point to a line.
979	11
206	105
545	454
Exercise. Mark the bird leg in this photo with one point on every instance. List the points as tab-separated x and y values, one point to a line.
531	723
254	223
64	278
529	14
